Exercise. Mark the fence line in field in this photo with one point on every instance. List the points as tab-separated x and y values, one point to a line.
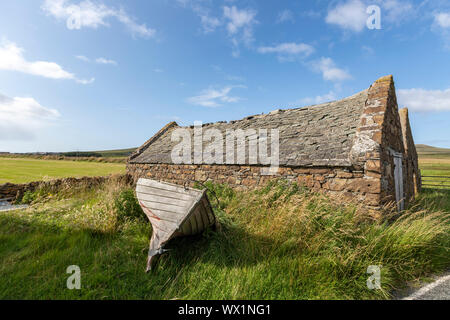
436	181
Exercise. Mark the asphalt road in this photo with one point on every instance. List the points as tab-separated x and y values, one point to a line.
6	206
439	289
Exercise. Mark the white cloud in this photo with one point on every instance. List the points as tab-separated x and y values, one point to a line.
285	15
330	96
422	100
441	25
100	60
12	59
239	20
92	15
21	118
209	22
85	81
329	70
83	58
157	70
105	61
394	11
442	19
214	97
239	26
350	15
288	49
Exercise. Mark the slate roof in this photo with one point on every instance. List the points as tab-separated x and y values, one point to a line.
320	135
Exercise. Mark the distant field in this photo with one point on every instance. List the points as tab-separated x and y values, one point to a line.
429	152
434	162
18	170
116	153
111	156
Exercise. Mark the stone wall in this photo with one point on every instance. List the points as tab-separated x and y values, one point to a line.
16	191
383	126
379	135
339	181
412	171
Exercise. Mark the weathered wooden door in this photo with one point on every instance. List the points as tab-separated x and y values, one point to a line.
398	177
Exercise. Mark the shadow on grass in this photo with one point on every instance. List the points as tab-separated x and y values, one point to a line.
435	198
229	246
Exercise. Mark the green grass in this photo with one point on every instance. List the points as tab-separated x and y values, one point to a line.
278	242
16	170
435	167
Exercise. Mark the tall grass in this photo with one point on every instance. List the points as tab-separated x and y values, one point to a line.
277	242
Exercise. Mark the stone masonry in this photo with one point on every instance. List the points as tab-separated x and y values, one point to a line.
16	191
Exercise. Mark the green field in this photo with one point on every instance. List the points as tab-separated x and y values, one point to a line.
116	153
434	164
16	170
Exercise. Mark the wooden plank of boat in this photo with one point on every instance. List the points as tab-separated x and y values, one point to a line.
173	211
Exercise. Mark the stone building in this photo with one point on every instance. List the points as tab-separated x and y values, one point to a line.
359	147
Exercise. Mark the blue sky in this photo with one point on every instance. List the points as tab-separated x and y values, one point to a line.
92	75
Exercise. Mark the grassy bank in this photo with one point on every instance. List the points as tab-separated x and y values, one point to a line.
278	242
16	170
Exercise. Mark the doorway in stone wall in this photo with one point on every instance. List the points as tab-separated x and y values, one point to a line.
398	178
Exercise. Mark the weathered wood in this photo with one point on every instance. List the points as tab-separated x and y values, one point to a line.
173	211
208	212
163	193
169	208
167	186
193	223
186	229
167	216
444	177
165	200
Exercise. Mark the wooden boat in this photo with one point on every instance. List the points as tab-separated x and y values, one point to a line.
173	211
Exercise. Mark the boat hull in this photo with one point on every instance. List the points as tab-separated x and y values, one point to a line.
173	211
